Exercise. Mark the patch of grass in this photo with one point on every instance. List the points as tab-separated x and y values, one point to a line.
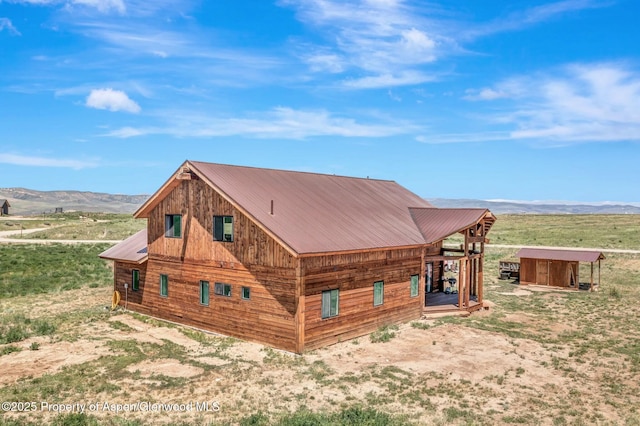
119	325
421	325
39	269
383	334
9	349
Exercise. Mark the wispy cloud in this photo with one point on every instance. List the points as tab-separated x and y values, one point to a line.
385	39
526	18
113	100
575	104
25	160
103	6
280	123
5	24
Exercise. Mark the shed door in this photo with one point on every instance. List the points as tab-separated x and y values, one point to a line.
542	268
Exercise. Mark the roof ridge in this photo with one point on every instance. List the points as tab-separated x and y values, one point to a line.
291	171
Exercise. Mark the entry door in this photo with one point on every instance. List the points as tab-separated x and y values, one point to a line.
542	268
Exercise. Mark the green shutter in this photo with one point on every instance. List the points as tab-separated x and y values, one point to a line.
177	226
204	292
326	304
334	303
378	293
164	285
217	228
415	279
135	280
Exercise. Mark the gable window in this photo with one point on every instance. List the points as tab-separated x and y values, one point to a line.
378	293
135	280
223	228
204	293
173	225
246	293
222	289
415	279
164	285
330	303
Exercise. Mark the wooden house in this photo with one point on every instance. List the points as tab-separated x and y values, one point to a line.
4	207
557	267
290	259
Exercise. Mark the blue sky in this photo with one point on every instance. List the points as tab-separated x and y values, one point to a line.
525	100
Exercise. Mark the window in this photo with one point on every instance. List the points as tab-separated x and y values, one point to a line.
330	303
246	293
223	228
222	289
378	293
415	279
164	285
135	280
204	293
173	225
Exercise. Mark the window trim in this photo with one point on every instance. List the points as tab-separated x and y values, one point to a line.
328	295
223	287
204	284
164	281
381	285
218	230
135	279
170	228
417	286
242	293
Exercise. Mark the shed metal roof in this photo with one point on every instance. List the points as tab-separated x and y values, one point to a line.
133	249
436	224
560	254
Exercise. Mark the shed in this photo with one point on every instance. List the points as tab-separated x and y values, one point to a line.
557	267
4	207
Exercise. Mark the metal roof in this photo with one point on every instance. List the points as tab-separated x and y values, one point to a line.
133	249
436	224
560	254
315	213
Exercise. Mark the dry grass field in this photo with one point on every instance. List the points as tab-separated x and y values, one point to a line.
538	356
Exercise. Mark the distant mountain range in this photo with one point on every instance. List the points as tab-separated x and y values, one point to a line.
538	207
28	201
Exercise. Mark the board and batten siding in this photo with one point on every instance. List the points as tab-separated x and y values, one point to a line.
254	260
354	276
122	275
197	202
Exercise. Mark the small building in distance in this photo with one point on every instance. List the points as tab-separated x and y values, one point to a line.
557	267
4	207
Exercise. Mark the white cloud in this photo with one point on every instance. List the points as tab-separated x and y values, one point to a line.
5	24
577	103
103	6
280	123
388	80
24	160
113	100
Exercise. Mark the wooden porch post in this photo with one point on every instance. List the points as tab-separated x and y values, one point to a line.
591	285
462	274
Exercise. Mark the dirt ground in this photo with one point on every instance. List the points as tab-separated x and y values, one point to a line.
440	373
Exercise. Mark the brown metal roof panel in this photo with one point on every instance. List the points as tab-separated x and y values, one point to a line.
437	224
133	249
575	255
314	213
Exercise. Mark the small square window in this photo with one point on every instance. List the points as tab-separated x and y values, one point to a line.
173	225
135	280
330	300
222	289
204	293
246	293
164	285
223	228
415	279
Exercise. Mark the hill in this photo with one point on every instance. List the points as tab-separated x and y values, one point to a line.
28	201
521	207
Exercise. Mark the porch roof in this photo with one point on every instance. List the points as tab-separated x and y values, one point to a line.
436	224
133	249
